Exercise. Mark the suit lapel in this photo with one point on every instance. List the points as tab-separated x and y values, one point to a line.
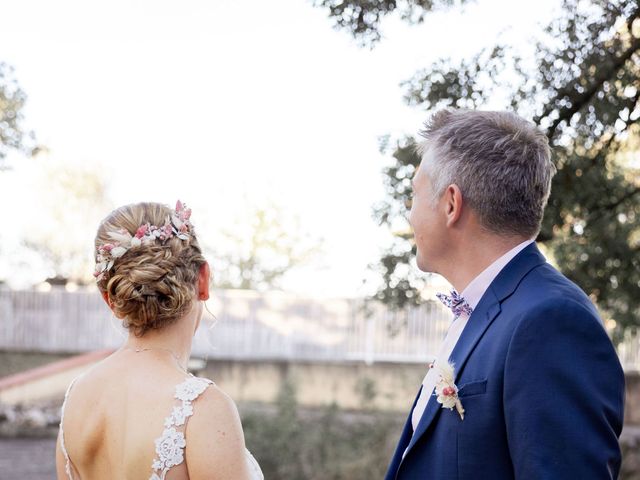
482	317
485	313
430	413
402	443
489	306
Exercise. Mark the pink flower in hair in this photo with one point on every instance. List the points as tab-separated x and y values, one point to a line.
142	229
176	224
107	247
182	212
167	231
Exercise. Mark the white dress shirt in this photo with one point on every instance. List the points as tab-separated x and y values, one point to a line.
472	294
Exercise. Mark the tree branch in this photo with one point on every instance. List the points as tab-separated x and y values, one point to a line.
580	100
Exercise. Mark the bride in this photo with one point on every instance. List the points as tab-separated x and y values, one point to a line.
139	414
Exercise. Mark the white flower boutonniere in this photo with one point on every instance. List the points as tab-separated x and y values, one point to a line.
446	390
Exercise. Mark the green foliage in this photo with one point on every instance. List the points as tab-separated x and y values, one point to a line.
401	285
326	444
581	85
362	17
367	392
12	100
275	439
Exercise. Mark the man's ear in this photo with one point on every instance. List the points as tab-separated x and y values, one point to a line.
453	204
204	276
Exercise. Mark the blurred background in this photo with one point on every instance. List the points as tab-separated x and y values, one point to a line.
288	127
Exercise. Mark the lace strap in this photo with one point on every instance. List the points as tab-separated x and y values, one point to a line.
170	445
67	464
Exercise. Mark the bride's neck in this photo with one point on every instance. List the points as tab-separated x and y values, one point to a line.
176	338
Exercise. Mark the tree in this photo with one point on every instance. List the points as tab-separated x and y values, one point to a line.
581	85
362	17
262	249
69	202
12	100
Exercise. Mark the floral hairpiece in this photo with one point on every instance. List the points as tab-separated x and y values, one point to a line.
176	224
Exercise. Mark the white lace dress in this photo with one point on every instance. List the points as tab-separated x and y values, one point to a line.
171	444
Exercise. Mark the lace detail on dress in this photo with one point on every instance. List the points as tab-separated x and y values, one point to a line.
170	445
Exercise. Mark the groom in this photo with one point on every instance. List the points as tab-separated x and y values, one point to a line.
537	391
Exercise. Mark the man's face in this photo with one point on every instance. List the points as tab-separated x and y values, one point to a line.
427	222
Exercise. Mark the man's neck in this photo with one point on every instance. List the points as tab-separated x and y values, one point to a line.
475	256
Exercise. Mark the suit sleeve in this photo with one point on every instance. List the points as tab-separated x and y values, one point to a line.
563	395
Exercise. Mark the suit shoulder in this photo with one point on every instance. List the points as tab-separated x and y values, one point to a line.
545	288
546	300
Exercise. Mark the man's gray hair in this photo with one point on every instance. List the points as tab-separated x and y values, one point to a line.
500	162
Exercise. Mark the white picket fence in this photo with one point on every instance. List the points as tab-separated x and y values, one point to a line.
250	326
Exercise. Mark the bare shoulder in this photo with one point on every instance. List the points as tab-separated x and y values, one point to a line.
214	406
93	377
215	442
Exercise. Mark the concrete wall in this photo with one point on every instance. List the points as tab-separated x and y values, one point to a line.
386	386
632	406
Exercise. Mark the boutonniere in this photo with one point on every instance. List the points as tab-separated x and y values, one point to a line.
446	390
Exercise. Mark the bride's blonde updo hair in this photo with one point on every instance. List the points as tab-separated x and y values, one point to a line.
154	283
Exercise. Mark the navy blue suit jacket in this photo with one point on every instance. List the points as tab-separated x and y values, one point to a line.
540	382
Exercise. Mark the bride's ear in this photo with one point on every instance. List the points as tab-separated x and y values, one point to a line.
204	276
105	297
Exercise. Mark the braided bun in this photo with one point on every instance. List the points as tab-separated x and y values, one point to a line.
151	285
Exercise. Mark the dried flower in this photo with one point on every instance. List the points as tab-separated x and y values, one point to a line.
177	224
446	389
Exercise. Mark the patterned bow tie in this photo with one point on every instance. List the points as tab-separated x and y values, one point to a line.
456	303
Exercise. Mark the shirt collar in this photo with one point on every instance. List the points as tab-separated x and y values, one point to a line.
475	290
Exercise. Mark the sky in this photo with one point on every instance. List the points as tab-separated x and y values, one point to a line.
228	105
